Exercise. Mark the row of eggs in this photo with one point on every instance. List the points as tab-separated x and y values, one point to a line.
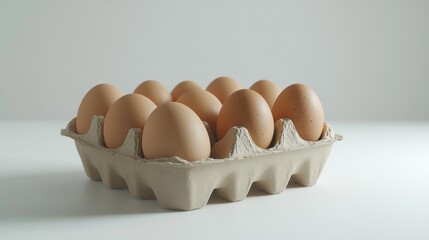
172	122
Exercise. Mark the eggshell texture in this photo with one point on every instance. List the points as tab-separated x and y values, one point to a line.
96	102
268	90
173	129
223	87
155	91
300	103
248	109
204	104
183	87
129	111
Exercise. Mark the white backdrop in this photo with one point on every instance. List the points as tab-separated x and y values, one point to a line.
367	60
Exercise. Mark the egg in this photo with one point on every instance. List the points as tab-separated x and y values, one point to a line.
183	87
204	104
248	109
96	102
267	89
301	104
129	111
173	129
223	87
155	91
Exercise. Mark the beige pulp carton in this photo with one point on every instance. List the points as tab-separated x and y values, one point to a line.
182	185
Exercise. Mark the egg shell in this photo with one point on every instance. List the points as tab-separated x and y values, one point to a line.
97	101
223	87
301	104
155	91
183	87
129	111
204	104
173	129
248	109
268	90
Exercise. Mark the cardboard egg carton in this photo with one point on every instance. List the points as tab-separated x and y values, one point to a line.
183	185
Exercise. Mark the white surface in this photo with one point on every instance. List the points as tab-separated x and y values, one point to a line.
365	55
375	186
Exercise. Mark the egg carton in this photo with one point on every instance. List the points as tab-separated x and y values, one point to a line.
183	185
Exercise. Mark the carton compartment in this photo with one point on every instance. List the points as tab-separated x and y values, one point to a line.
182	185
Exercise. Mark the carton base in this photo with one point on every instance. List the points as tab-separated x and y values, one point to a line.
181	188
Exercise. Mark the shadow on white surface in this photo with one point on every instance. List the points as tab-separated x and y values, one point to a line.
65	195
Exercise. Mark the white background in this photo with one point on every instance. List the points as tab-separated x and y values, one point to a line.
367	60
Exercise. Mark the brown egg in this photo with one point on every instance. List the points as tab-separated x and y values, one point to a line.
223	87
248	109
300	103
183	87
129	111
173	129
96	102
204	104
268	90
155	91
